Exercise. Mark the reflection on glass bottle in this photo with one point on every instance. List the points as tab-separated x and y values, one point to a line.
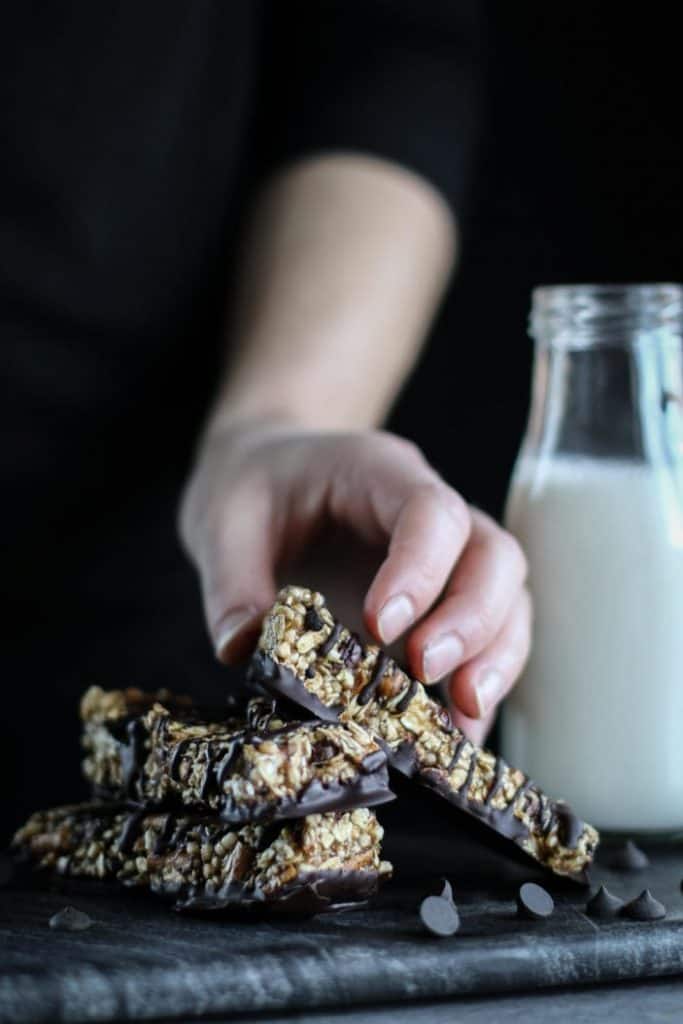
596	500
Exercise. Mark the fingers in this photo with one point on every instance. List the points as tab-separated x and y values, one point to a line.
480	684
482	590
236	572
476	729
428	525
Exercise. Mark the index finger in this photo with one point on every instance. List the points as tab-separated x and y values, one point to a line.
430	531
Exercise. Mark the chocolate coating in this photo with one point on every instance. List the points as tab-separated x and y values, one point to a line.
439	916
534	902
629	857
645	908
368	787
320	892
279	680
603	904
70	920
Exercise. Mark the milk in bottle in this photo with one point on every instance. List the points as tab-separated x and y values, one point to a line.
596	501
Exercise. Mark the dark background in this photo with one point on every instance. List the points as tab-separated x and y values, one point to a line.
578	178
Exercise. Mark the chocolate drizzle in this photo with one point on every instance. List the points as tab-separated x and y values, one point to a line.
227	763
175	759
407	696
497	779
164	837
132	755
370	688
471	768
131	830
328	644
215	757
462	740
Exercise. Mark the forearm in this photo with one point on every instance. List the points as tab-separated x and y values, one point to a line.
345	261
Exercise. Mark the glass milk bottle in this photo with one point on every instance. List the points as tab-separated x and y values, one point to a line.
596	501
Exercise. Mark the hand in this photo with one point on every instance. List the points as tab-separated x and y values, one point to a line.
452	580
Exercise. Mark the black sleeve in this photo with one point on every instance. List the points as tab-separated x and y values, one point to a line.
399	79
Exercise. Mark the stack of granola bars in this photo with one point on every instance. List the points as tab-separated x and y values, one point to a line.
257	809
218	810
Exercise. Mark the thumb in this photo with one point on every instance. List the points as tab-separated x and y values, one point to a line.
235	563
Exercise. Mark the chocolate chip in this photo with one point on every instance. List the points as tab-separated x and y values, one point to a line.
533	901
446	891
312	621
351	651
603	904
70	920
629	857
310	672
644	908
323	751
439	916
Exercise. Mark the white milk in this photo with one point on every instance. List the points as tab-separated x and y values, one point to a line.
598	716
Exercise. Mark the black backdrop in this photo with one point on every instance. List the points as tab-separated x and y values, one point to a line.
578	179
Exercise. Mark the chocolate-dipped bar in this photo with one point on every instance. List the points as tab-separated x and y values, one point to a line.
306	656
317	863
254	768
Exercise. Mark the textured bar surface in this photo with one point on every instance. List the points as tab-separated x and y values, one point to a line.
309	658
163	753
317	863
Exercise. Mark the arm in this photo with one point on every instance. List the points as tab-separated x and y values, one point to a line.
345	261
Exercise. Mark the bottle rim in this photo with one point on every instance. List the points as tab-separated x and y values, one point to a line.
612	314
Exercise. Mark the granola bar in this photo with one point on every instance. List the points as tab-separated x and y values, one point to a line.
321	862
308	657
253	768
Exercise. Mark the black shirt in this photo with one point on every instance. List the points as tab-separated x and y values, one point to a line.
134	136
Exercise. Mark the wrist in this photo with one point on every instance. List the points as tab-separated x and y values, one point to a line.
287	407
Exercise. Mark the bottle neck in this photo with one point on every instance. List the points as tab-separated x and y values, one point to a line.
618	401
608	378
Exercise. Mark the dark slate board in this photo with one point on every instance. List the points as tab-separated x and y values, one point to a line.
141	961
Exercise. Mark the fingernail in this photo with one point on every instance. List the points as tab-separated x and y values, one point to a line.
488	690
232	623
441	656
395	616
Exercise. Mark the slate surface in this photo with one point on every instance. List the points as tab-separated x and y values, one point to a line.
658	1001
141	961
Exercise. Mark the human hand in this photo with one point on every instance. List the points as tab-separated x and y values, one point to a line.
452	581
